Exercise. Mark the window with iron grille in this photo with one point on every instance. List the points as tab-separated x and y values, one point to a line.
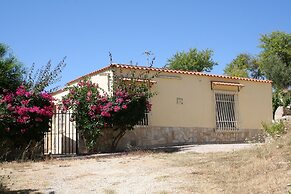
226	118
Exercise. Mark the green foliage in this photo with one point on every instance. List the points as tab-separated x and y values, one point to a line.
95	111
25	110
25	117
193	60
82	99
275	58
11	70
44	77
281	98
276	100
244	65
274	129
12	73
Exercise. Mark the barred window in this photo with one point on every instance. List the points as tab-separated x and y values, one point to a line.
226	118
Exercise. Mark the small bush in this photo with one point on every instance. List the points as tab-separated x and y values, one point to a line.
275	128
24	118
94	111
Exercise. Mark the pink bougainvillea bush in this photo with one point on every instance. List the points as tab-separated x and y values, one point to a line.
94	110
25	115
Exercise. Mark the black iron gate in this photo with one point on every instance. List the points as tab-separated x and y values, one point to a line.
63	137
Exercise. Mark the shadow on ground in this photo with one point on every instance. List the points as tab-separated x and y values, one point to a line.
5	190
166	149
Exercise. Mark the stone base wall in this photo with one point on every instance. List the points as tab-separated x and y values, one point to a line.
151	136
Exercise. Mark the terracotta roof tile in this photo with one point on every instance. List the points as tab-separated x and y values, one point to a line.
124	66
188	72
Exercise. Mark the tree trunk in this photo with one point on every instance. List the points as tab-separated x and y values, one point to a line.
116	139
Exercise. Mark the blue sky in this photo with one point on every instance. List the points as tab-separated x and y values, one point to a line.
85	31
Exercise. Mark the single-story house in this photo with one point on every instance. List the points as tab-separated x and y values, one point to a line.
194	107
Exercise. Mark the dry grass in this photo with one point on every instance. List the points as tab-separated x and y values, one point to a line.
265	169
109	191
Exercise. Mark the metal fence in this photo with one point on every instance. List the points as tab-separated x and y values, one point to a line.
145	120
62	138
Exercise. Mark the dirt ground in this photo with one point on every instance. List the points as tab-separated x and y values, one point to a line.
257	170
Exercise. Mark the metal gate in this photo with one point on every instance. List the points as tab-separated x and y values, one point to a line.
62	138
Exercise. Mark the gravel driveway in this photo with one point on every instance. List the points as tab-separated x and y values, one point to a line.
141	172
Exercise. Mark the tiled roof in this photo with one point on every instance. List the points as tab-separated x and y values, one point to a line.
90	74
165	70
187	72
139	80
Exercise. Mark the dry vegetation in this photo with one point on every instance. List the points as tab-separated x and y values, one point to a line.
265	169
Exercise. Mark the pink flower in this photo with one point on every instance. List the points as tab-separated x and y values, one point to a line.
119	100
121	93
46	96
124	106
72	91
47	111
88	83
10	107
116	108
89	93
25	102
20	120
105	114
104	99
64	109
95	108
27	94
149	106
25	118
21	110
35	109
118	93
8	98
20	91
81	83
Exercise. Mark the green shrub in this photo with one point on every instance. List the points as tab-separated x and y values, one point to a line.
275	128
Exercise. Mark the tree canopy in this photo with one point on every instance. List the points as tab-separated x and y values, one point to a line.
244	65
11	70
275	58
193	60
44	77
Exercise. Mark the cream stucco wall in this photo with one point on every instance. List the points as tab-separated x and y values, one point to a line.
103	79
254	104
196	106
